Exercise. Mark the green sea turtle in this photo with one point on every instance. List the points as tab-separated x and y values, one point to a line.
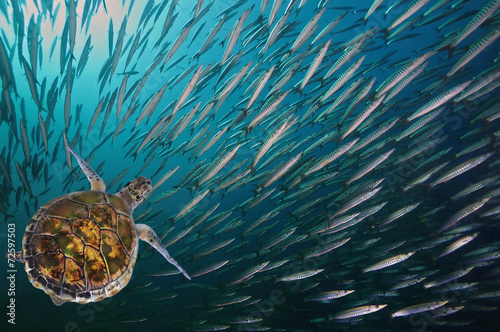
82	246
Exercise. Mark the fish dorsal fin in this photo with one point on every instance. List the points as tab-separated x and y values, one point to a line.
96	183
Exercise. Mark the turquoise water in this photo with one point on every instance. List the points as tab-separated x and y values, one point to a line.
449	236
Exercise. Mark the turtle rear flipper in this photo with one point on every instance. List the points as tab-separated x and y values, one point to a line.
147	234
57	301
18	256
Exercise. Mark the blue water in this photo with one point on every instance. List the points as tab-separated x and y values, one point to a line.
174	304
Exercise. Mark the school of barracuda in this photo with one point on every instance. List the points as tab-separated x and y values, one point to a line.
323	186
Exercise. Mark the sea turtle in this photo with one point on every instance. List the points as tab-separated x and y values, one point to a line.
82	246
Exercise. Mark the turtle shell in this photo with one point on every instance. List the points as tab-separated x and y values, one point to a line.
81	247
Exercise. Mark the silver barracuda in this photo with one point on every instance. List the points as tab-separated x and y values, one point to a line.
388	262
359	311
314	65
475	22
418	308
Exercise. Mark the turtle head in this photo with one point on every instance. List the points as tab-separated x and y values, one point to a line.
135	191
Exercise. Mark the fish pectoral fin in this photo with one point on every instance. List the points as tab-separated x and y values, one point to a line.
148	235
57	301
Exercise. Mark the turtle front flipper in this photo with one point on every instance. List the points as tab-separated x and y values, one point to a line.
147	234
96	183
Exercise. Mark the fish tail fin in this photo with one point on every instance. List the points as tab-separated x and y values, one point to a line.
15	92
434	259
245	112
157	44
484	125
361	272
242	234
247	130
427	186
225	192
327	218
7	216
183	280
302	257
451	50
338	140
405	122
261	19
363	19
401	191
243	211
391	317
386	35
193	188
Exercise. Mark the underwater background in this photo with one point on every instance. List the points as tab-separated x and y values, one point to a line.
339	159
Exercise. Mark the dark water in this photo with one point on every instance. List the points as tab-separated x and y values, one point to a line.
171	303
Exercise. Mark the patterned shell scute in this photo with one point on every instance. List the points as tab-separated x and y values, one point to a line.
67	209
96	268
126	232
88	231
119	205
89	197
49	265
79	242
